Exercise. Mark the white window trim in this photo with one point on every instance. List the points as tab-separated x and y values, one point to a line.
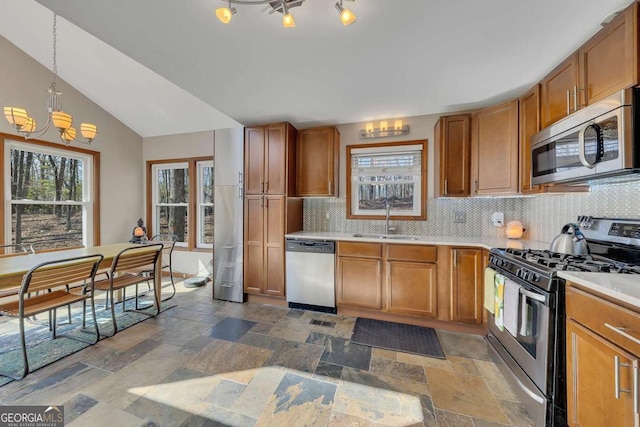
87	196
417	181
201	204
154	200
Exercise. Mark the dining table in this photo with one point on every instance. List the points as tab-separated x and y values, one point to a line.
13	268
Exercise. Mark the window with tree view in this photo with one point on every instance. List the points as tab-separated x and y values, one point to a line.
205	204
172	200
182	200
49	196
384	175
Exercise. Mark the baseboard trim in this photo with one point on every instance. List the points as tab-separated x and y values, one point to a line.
268	300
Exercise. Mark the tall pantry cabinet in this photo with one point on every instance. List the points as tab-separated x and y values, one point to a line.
270	207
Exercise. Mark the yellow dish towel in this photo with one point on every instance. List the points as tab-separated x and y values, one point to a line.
489	289
499	307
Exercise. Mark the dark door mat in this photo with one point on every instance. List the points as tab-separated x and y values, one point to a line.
398	337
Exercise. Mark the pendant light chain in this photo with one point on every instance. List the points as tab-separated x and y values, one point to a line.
55	50
25	124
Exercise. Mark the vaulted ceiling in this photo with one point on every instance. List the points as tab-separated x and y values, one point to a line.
400	58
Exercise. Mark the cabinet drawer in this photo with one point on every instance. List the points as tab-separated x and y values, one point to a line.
596	313
369	250
412	253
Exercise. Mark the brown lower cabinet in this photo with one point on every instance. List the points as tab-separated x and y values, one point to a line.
591	380
389	277
359	275
267	220
602	363
411	280
411	288
360	282
467	267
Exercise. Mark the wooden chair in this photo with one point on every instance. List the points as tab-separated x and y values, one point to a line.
169	242
53	277
17	249
136	258
12	250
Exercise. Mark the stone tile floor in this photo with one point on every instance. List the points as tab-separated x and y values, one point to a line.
213	363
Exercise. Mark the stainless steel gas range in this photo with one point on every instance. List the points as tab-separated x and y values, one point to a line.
532	352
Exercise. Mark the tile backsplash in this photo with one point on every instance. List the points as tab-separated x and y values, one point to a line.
543	216
440	216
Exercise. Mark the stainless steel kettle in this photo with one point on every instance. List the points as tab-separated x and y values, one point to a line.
570	241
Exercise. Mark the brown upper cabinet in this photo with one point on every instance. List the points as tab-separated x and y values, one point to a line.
558	90
529	124
270	162
494	149
452	151
318	152
608	62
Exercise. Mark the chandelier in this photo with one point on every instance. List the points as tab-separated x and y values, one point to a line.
224	14
25	124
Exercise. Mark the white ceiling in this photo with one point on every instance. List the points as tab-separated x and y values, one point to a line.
400	58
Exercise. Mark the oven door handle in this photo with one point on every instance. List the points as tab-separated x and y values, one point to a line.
529	393
533	295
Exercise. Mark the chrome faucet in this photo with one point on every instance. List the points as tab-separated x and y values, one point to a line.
386	224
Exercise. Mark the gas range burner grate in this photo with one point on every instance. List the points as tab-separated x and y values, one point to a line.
569	262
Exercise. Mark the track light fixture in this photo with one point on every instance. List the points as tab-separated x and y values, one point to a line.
224	14
346	16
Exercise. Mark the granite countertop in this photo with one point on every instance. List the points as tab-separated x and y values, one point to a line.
482	242
622	287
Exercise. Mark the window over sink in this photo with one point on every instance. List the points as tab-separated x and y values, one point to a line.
392	174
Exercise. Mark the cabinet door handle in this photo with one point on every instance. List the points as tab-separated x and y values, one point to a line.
455	258
616	376
575	98
568	102
262	186
330	187
475	186
623	333
446	187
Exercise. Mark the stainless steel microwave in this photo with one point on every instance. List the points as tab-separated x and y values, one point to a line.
597	142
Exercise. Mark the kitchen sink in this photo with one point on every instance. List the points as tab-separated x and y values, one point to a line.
385	236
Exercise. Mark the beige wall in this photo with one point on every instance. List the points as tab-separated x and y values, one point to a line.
23	83
197	144
420	127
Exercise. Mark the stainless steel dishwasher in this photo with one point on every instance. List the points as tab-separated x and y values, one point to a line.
310	277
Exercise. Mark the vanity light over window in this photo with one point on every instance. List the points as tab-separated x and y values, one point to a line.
391	172
384	129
